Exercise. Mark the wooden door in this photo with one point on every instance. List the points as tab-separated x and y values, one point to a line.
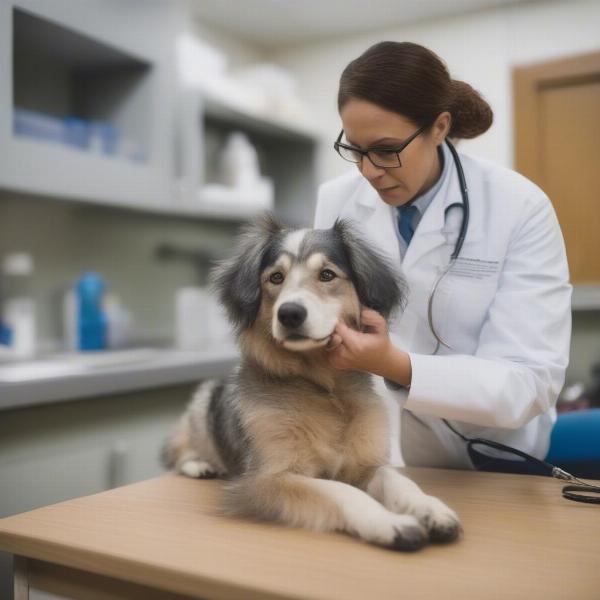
557	145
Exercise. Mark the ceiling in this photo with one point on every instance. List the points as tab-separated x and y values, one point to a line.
276	23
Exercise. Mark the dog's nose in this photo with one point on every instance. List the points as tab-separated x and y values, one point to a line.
291	314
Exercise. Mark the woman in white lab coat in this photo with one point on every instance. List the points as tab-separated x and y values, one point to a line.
502	312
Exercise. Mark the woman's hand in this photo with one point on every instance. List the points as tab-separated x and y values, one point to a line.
351	349
371	351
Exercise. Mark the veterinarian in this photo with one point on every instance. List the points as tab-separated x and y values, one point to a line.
485	354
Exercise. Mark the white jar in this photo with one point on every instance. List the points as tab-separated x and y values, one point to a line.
239	162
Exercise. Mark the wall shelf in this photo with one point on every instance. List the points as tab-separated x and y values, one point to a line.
221	110
205	210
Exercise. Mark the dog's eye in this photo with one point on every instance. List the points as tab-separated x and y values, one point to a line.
276	277
326	275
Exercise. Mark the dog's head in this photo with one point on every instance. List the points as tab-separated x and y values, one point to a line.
298	283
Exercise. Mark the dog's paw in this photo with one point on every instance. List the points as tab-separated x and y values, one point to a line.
399	532
410	538
198	469
440	521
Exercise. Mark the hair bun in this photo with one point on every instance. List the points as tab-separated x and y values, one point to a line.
412	81
471	114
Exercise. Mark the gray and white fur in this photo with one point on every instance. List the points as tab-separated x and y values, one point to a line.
297	441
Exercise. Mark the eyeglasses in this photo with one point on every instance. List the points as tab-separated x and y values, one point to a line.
385	158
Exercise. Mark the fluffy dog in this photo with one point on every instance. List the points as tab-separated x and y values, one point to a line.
298	441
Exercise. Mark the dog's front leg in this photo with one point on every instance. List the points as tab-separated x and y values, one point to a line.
321	505
400	494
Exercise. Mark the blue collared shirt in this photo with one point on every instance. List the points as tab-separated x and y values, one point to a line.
423	201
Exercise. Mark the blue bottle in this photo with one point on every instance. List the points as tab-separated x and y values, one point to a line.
91	322
5	335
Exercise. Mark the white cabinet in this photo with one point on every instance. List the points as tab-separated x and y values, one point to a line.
91	110
86	100
52	453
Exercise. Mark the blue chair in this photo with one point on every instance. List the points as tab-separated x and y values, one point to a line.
575	443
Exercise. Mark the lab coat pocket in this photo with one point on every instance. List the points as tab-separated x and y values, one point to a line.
462	311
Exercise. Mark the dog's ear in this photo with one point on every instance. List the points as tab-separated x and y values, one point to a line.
236	279
378	284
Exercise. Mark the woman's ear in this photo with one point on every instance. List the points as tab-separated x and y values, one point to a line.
378	284
236	280
441	127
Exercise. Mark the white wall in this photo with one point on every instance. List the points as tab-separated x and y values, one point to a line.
238	52
480	48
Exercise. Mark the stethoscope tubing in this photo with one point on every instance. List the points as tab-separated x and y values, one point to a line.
464	206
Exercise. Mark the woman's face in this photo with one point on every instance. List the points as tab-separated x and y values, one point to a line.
366	125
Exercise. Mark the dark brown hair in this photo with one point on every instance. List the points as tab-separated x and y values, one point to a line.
413	81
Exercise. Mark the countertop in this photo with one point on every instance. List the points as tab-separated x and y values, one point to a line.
72	376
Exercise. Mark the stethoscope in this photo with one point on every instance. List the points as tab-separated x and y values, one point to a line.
543	467
464	206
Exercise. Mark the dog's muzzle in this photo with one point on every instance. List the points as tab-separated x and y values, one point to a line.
291	329
291	315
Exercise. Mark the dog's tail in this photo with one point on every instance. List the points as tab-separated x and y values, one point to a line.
170	449
167	454
179	444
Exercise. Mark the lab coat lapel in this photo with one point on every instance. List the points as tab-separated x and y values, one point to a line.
430	233
374	218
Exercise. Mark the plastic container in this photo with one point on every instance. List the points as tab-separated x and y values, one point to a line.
77	132
239	162
200	320
190	327
35	125
119	323
104	138
91	321
70	320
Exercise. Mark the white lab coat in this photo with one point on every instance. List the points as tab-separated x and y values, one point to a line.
505	309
